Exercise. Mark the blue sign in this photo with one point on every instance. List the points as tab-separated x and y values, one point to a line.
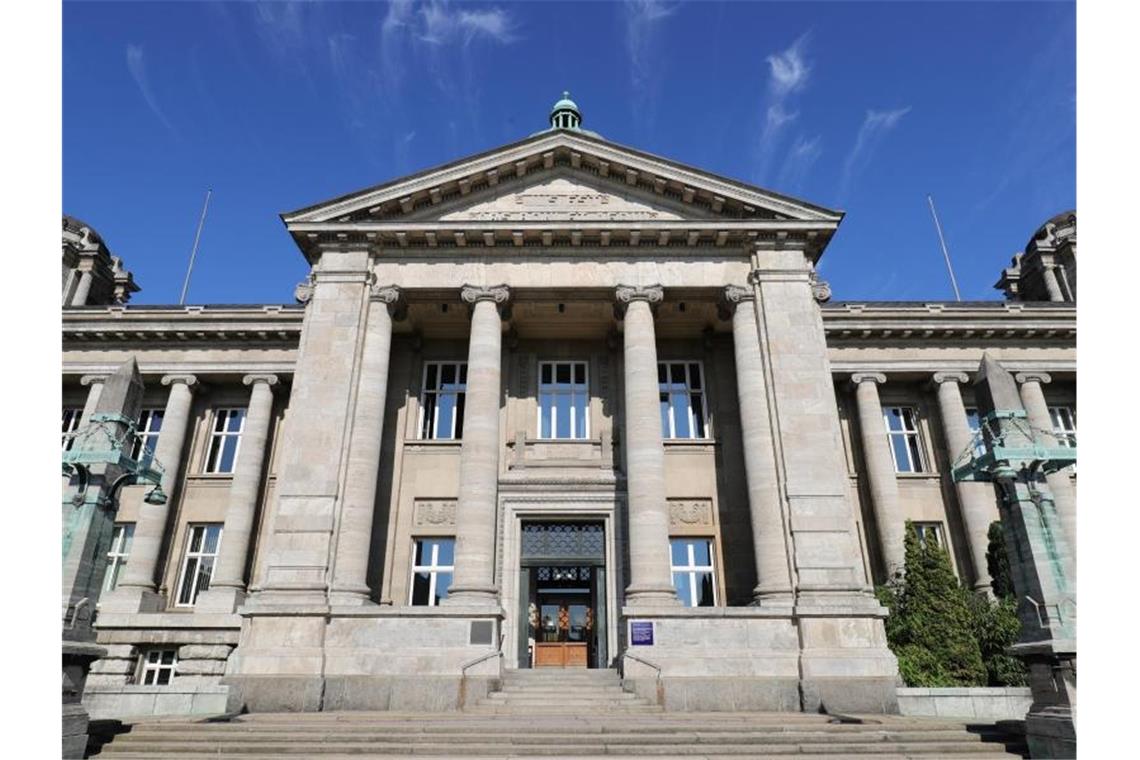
641	633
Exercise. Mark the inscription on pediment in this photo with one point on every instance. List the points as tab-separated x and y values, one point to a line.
561	200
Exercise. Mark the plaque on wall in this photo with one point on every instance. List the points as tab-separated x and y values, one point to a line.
641	633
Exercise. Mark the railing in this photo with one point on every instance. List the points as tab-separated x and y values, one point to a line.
657	678
462	696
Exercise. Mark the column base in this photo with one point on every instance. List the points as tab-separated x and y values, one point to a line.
350	598
651	596
132	600
1051	733
472	596
769	599
224	599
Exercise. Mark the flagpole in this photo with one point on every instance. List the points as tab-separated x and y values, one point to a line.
945	252
194	250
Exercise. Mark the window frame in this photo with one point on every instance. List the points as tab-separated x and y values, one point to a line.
923	466
460	371
145	666
215	435
188	554
692	569
69	425
1065	436
572	391
922	527
433	570
122	538
974	425
147	436
670	434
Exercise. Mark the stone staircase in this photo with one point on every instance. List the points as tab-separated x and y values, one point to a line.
555	691
569	714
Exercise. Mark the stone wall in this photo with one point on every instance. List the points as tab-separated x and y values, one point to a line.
984	704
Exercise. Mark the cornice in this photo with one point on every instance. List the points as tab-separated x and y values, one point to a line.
184	326
855	322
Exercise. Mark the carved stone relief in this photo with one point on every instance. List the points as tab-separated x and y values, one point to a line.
690	513
434	514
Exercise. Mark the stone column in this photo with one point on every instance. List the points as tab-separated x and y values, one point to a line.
354	538
1051	284
84	288
650	579
227	585
977	500
1033	398
136	591
95	388
474	578
773	582
880	473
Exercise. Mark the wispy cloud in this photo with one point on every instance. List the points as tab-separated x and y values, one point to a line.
643	19
136	65
442	24
788	74
876	125
798	161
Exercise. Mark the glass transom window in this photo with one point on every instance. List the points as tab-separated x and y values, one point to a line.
682	387
121	537
563	400
441	403
694	575
432	567
150	424
198	565
225	439
157	666
902	431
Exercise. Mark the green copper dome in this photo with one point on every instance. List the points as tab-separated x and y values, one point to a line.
565	115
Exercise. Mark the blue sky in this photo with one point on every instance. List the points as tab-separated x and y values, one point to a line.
865	107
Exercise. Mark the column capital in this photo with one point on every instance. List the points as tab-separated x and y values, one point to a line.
392	296
627	294
253	379
473	294
93	378
1033	377
878	378
188	380
731	297
938	378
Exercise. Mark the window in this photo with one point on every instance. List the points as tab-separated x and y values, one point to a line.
70	425
431	570
563	398
225	439
441	405
1064	425
150	423
902	430
121	538
157	666
198	565
974	422
929	531
693	574
682	400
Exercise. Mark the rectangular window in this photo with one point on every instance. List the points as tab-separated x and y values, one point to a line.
441	403
225	440
683	413
929	531
202	544
150	423
974	422
431	570
70	425
157	666
694	574
121	537
902	431
1064	425
563	400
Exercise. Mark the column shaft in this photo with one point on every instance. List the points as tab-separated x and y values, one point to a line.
977	500
773	581
880	471
650	579
350	569
1051	284
95	389
227	585
1064	495
83	290
136	591
474	578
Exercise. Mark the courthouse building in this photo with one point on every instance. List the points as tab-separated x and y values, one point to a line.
560	404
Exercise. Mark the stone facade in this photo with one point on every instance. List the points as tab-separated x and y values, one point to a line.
562	247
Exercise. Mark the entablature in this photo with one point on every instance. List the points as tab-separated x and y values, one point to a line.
878	321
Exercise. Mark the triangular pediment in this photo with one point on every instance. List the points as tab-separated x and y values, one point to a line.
561	176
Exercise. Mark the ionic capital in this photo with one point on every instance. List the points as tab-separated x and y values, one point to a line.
820	290
733	296
392	296
949	377
473	294
89	379
627	294
1042	378
269	380
190	381
303	293
878	378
